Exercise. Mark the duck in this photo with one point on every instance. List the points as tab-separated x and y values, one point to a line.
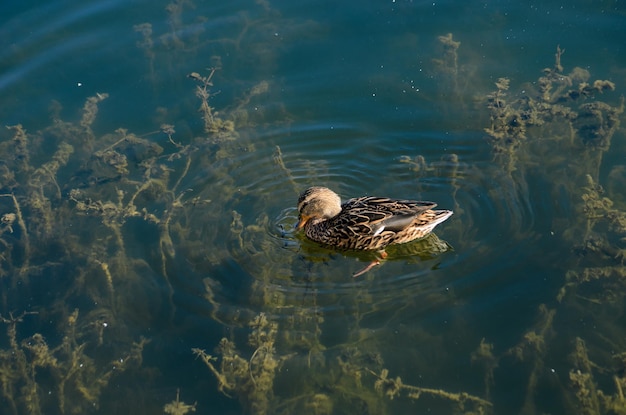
366	223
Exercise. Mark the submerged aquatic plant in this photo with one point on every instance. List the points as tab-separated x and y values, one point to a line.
556	105
559	131
74	376
252	379
177	407
106	183
121	184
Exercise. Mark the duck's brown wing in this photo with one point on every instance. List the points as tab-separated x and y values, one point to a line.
371	215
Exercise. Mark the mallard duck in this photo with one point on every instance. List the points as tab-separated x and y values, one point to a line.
364	223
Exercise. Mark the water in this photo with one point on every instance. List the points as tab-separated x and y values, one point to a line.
127	251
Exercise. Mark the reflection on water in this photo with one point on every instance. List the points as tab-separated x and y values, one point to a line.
142	268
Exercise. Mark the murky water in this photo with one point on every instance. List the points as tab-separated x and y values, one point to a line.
148	187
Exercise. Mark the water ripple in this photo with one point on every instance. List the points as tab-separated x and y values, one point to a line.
280	270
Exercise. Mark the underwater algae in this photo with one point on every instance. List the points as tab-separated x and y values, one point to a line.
110	184
357	378
69	373
177	407
74	377
118	182
286	339
558	130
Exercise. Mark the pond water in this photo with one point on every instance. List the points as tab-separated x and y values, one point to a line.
149	174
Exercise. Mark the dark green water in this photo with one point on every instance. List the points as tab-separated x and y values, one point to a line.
147	243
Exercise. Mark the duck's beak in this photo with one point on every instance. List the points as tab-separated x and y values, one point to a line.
301	222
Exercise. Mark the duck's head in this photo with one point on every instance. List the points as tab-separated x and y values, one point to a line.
316	204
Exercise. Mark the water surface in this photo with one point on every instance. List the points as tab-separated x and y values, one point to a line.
150	173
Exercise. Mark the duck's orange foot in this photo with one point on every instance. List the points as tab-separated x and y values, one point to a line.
367	268
381	254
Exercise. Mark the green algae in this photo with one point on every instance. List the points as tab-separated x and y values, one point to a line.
71	372
558	130
114	181
104	182
56	183
177	407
